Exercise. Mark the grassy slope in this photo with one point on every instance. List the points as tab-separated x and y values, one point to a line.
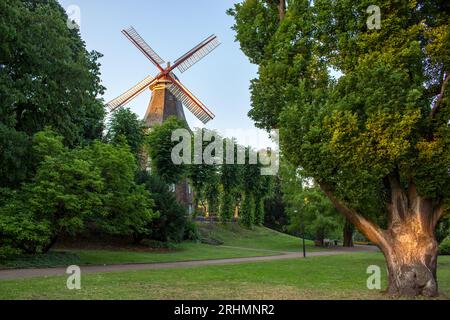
332	277
237	242
258	238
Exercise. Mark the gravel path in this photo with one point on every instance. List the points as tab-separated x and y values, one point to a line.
30	273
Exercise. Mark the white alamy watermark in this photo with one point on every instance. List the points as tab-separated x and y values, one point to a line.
73	17
374	20
219	151
374	280
74	279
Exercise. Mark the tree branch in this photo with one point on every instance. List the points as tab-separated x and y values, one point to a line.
440	99
440	213
282	9
399	200
374	233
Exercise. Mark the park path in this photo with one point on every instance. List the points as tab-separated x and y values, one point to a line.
31	273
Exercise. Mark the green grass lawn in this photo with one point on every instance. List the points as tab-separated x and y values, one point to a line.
187	251
258	238
237	242
330	277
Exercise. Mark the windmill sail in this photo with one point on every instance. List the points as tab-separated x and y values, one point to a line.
140	43
197	53
194	105
130	94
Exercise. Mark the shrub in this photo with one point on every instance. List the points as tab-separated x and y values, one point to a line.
20	231
191	231
171	222
126	206
72	188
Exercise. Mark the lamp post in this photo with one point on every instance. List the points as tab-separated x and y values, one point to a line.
303	235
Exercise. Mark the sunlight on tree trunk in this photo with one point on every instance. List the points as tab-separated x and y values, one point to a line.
409	244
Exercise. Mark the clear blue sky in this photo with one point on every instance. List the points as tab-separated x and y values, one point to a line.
172	27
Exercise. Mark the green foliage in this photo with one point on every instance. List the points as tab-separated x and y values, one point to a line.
247	213
256	22
126	123
443	229
47	78
255	188
259	211
275	216
212	194
204	177
47	143
227	207
171	223
64	192
21	231
14	156
71	189
309	210
444	247
191	232
353	105
126	206
159	145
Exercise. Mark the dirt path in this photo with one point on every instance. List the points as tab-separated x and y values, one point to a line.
30	273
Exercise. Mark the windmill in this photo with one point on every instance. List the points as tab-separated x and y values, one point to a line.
169	94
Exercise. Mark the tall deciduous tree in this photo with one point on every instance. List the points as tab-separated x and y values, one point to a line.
159	145
204	177
47	78
231	180
126	123
310	211
364	112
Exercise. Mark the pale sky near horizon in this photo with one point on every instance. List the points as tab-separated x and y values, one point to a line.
172	27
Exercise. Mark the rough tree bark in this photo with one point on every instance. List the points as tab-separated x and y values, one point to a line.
408	244
348	234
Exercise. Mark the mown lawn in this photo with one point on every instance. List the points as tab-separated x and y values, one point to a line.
236	241
331	277
183	252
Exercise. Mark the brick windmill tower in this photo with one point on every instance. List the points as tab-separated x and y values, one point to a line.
168	93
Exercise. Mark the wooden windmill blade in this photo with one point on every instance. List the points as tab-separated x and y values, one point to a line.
130	94
192	103
196	54
140	43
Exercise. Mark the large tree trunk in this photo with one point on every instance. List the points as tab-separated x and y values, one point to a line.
320	239
411	257
349	229
408	244
410	247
